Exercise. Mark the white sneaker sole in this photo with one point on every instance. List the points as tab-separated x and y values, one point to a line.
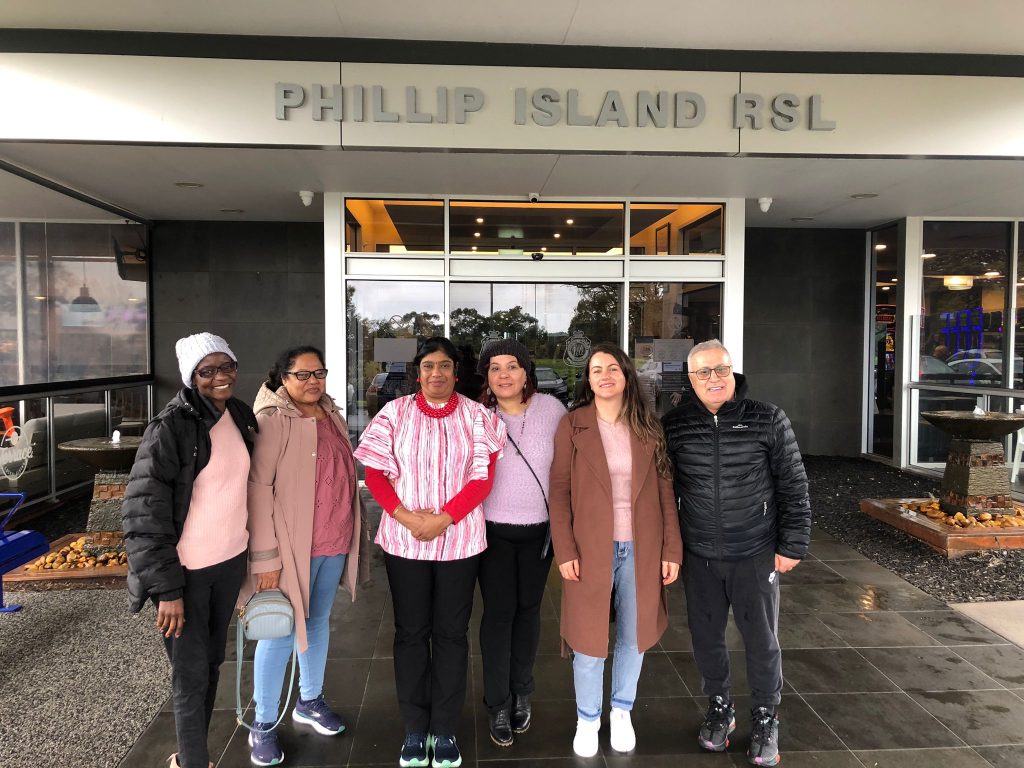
303	720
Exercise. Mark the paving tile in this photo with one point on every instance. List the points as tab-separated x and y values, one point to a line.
301	744
686	666
901	598
962	757
812	572
868	721
865	573
980	718
550	735
832	671
928	669
159	740
875	629
377	734
952	628
345	681
816	598
805	630
1007	756
1003	662
834	550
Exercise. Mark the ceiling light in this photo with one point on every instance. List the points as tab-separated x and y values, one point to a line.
992	273
895	279
863	195
885	287
927	255
476	234
881	247
43	298
479	219
569	221
557	234
132	300
543	247
232	210
958	282
188	184
474	248
798	219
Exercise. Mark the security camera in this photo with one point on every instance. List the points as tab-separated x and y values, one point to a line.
537	256
764	203
534	197
306	197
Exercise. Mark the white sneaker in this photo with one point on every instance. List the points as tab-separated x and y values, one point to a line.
585	742
623	735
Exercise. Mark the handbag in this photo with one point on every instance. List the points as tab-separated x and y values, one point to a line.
267	615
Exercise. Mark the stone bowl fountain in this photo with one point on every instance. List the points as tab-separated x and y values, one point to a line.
972	426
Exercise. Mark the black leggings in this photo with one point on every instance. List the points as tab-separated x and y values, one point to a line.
512	579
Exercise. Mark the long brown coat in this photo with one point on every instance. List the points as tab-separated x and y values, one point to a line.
282	491
581	529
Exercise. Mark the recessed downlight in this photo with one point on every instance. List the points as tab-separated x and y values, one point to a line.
543	247
570	221
189	184
476	234
885	287
881	247
557	234
479	219
927	255
992	273
863	195
798	219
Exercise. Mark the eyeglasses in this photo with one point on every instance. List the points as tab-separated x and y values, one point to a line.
320	373
721	371
212	370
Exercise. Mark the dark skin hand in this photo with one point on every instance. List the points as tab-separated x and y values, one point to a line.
170	617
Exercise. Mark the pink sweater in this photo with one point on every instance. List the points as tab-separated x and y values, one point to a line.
215	528
619	454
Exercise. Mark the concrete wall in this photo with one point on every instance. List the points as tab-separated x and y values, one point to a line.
803	332
259	285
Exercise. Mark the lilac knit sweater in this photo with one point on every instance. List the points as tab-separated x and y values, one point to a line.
516	497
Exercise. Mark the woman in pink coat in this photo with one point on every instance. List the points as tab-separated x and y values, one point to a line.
306	530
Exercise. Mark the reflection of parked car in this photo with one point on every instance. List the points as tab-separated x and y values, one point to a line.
932	443
550	383
986	370
384	388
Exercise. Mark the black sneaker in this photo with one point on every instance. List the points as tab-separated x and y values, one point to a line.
414	751
500	727
719	722
521	713
446	752
764	737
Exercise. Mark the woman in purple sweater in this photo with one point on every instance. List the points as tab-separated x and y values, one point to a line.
514	567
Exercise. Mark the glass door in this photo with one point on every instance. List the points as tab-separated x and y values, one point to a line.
883	341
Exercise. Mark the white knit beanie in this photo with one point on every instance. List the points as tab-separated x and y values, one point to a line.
192	349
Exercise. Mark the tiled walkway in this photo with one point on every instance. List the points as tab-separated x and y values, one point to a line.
878	674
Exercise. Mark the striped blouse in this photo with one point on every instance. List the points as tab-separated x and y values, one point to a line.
430	460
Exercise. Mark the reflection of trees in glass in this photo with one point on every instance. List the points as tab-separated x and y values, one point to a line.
597	312
468	326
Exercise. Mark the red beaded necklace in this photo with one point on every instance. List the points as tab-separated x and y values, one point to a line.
437	413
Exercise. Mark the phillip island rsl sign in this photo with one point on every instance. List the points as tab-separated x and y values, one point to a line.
14	454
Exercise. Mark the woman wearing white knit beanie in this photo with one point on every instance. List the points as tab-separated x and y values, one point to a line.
184	518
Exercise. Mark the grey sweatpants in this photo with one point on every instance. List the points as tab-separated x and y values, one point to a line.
751	588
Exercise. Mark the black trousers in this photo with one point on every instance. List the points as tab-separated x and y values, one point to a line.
433	602
751	588
210	596
512	580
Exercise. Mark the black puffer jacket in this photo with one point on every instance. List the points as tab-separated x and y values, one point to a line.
175	448
739	479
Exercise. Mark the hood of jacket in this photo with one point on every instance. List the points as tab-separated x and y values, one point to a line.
268	399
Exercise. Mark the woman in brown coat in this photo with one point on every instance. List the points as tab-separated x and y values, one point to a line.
615	531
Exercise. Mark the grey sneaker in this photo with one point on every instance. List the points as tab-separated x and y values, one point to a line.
264	745
764	737
719	722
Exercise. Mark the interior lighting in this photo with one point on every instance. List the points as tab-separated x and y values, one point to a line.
479	219
188	184
474	248
895	279
557	234
885	287
83	302
958	282
570	221
476	234
863	195
544	248
992	273
43	298
881	247
927	255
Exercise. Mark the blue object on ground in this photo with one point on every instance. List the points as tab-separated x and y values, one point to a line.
17	548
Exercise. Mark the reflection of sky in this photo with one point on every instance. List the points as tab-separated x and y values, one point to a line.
380	299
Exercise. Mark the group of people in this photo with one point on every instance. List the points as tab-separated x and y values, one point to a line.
486	490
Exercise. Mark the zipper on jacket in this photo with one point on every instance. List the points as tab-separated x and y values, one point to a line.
718	500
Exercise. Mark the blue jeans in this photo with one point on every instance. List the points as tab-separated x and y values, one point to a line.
272	655
588	671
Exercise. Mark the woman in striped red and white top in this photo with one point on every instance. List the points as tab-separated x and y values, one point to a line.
429	461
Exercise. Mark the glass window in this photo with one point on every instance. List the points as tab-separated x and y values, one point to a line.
75	417
573	229
24	447
1018	313
394	226
669	229
129	410
558	323
964	297
665	321
85	307
387	321
885	246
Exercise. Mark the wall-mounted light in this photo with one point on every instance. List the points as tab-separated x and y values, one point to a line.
958	282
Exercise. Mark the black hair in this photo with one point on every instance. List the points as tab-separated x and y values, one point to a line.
436	344
284	362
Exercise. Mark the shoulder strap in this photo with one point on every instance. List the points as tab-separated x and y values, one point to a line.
239	651
547	536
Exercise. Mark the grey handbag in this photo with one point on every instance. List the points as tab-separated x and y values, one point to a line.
267	616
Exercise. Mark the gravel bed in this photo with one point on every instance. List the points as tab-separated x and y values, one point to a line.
837	486
80	678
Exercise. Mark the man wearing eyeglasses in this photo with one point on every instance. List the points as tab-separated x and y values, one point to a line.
745	517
